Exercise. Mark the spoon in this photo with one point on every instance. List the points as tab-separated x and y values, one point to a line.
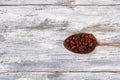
84	43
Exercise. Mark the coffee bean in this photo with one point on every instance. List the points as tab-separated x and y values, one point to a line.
73	47
94	42
78	45
76	51
89	41
83	47
91	36
89	49
72	42
83	39
83	35
85	43
81	43
90	45
67	40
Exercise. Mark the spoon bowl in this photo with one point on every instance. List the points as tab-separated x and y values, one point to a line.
81	43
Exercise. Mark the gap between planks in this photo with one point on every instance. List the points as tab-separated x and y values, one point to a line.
32	71
60	4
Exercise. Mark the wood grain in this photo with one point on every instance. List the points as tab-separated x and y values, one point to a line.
31	40
60	76
67	3
59	1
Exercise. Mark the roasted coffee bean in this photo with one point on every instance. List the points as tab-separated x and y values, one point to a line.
81	43
73	47
90	45
85	43
67	41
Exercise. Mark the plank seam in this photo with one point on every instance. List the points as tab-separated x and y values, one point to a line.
4	72
60	4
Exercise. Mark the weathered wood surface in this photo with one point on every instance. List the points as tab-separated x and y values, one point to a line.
31	39
60	76
59	1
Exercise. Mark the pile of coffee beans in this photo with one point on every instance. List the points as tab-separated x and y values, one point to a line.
82	43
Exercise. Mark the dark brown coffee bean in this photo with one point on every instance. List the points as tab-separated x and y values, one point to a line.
72	42
81	43
83	35
80	49
89	40
83	47
83	39
85	43
91	36
76	50
90	45
89	49
78	45
74	38
86	51
73	47
94	42
67	40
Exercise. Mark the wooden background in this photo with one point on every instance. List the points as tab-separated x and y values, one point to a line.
32	34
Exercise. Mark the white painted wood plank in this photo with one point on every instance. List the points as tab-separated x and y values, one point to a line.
60	76
59	1
31	38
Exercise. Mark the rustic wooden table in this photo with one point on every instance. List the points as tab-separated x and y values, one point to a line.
32	34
